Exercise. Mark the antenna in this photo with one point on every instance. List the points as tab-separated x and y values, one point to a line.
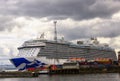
55	38
42	36
55	31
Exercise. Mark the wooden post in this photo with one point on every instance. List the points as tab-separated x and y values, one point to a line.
119	58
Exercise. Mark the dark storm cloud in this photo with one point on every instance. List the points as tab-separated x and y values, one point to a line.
60	9
103	29
6	23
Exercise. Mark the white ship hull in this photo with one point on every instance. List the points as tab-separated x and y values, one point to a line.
23	63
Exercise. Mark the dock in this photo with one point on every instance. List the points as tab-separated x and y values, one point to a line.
73	67
18	74
86	70
51	71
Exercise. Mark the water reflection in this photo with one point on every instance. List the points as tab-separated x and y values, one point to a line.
77	77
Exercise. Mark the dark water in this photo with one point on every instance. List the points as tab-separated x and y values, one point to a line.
77	77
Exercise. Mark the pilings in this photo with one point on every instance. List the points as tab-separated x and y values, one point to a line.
115	69
86	70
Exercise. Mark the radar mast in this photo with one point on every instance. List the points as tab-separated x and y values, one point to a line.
55	38
55	31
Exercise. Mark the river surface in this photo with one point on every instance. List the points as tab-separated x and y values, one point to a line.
76	77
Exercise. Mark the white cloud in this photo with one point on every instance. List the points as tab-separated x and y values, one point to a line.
25	28
116	16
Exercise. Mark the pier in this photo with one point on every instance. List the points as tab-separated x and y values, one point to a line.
85	67
52	71
86	70
18	74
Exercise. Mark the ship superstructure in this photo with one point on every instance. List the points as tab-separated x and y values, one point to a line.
65	50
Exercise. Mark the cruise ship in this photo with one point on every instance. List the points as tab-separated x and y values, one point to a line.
39	52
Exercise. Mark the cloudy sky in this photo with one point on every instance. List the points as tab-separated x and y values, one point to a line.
21	20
